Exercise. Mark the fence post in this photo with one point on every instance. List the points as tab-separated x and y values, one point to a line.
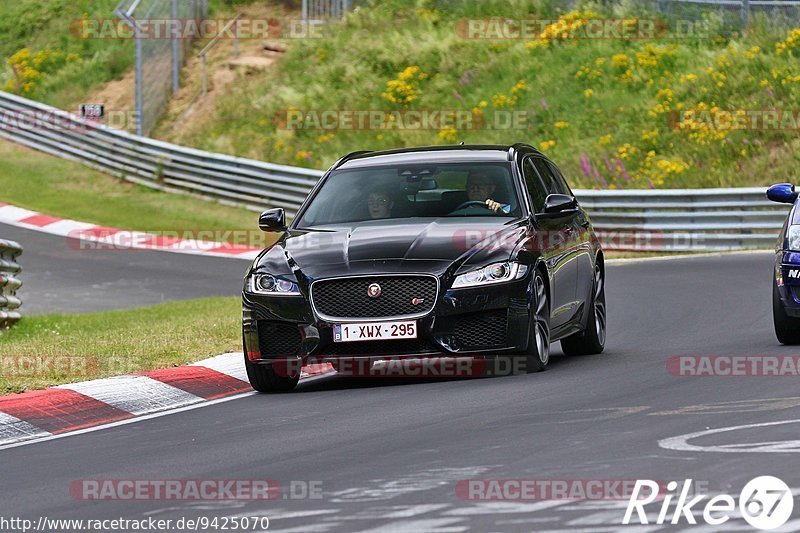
176	51
236	39
305	11
745	13
139	81
205	76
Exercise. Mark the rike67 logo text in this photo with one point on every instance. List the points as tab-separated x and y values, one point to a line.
765	503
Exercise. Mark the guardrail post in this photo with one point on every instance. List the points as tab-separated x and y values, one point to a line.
9	283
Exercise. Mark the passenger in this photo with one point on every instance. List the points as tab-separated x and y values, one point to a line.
380	204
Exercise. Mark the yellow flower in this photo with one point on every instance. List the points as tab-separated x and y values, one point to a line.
649	135
546	145
605	139
588	93
561	124
619	61
448	134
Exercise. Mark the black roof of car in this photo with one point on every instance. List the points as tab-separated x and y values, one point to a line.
428	154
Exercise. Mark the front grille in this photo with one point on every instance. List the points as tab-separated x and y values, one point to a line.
347	297
398	347
482	330
278	338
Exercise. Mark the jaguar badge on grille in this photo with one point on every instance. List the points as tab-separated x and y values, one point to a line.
374	290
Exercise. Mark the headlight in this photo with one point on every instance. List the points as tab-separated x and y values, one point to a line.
794	238
494	273
273	285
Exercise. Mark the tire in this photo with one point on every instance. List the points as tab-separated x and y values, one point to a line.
787	328
591	340
537	356
265	378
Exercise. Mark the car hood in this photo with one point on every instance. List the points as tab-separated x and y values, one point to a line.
410	245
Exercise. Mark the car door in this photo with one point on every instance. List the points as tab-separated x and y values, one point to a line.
581	242
551	239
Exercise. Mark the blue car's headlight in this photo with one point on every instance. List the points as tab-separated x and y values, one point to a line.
793	236
494	273
272	285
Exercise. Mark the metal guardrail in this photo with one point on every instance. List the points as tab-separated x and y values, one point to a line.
685	219
234	180
9	283
662	219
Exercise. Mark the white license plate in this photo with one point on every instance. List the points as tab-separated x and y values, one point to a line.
372	331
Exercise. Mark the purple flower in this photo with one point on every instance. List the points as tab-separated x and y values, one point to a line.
599	177
544	104
455	93
756	142
608	165
728	140
745	141
586	165
770	93
624	170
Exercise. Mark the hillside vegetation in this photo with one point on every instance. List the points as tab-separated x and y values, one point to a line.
43	57
615	113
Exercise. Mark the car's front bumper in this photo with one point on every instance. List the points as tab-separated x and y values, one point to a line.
485	321
787	279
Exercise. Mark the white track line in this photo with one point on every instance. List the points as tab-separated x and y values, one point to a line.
681	442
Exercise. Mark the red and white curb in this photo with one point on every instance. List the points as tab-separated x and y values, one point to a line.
101	237
69	408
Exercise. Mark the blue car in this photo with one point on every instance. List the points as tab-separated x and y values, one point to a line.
786	289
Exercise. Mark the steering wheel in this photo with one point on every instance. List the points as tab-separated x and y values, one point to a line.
472	203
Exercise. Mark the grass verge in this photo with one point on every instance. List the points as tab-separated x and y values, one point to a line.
67	189
54	349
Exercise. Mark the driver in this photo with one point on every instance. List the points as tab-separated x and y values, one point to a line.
480	188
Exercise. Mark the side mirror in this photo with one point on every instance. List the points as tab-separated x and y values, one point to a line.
782	193
272	220
559	206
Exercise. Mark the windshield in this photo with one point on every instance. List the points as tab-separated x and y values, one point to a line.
412	191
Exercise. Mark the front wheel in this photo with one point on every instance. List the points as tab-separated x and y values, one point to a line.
537	356
787	328
591	340
276	377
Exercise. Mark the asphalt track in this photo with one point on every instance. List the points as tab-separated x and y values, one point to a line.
59	277
389	453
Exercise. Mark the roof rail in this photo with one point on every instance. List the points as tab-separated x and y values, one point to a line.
348	157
